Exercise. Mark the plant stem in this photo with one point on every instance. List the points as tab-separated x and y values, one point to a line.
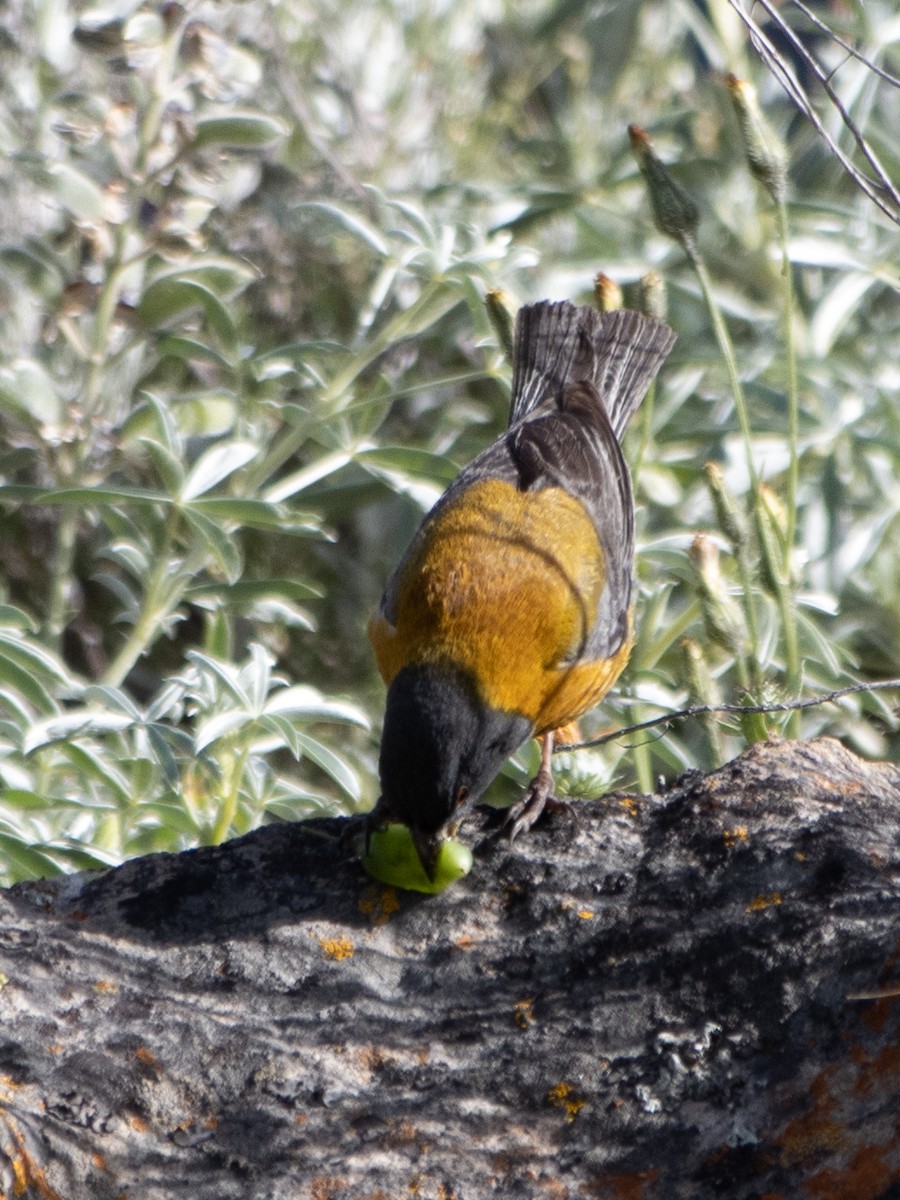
162	595
228	811
740	404
792	652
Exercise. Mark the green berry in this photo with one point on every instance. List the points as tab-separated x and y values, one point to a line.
392	858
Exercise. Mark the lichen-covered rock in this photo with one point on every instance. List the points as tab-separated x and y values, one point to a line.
693	994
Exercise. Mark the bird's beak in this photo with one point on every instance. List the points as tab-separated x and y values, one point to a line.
428	847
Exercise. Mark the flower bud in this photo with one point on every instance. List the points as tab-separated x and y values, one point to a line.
502	316
652	295
607	293
722	616
729	517
674	212
765	153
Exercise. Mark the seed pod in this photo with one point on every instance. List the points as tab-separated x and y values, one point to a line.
652	295
722	616
701	685
502	316
607	293
729	517
674	212
764	150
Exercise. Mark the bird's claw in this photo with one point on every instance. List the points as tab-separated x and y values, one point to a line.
364	824
538	799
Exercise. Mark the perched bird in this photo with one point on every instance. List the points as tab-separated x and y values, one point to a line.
510	613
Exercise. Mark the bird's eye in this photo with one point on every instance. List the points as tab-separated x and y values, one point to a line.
462	795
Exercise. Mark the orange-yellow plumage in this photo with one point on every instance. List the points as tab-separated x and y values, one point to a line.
504	584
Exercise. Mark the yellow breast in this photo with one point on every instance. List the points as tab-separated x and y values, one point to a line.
505	585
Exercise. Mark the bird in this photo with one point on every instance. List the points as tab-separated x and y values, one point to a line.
511	613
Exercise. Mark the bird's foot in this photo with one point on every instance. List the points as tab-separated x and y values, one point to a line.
363	825
538	799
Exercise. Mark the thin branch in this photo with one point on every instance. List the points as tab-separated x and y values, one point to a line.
702	710
822	76
882	192
835	37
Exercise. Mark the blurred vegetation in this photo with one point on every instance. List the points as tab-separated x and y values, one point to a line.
244	251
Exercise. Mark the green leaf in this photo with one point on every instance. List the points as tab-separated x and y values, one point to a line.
76	855
219	726
169	297
331	764
227	674
17	494
25	800
218	633
284	730
208	415
170	345
240	130
81	722
290	485
79	194
247	591
16	618
255	513
27	389
160	738
216	464
168	466
96	768
103	495
256	675
36	659
114	699
224	276
22	681
353	224
218	542
31	862
304	701
388	461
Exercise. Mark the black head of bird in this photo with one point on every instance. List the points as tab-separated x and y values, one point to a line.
440	748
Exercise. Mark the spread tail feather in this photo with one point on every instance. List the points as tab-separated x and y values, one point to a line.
561	343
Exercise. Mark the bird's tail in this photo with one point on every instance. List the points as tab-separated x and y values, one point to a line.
560	343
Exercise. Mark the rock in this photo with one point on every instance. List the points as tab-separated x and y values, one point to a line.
691	994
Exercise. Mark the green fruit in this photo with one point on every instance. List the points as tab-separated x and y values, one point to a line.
392	858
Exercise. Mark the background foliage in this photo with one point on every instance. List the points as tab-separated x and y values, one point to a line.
244	250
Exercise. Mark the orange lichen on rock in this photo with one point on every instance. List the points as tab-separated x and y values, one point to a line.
523	1013
564	1096
817	1130
865	1177
379	903
733	836
337	948
631	1186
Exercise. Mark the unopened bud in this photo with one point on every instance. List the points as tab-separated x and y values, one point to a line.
729	517
771	528
701	685
502	316
674	212
766	155
607	293
722	616
652	295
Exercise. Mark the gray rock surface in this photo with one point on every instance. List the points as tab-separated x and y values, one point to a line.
691	994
